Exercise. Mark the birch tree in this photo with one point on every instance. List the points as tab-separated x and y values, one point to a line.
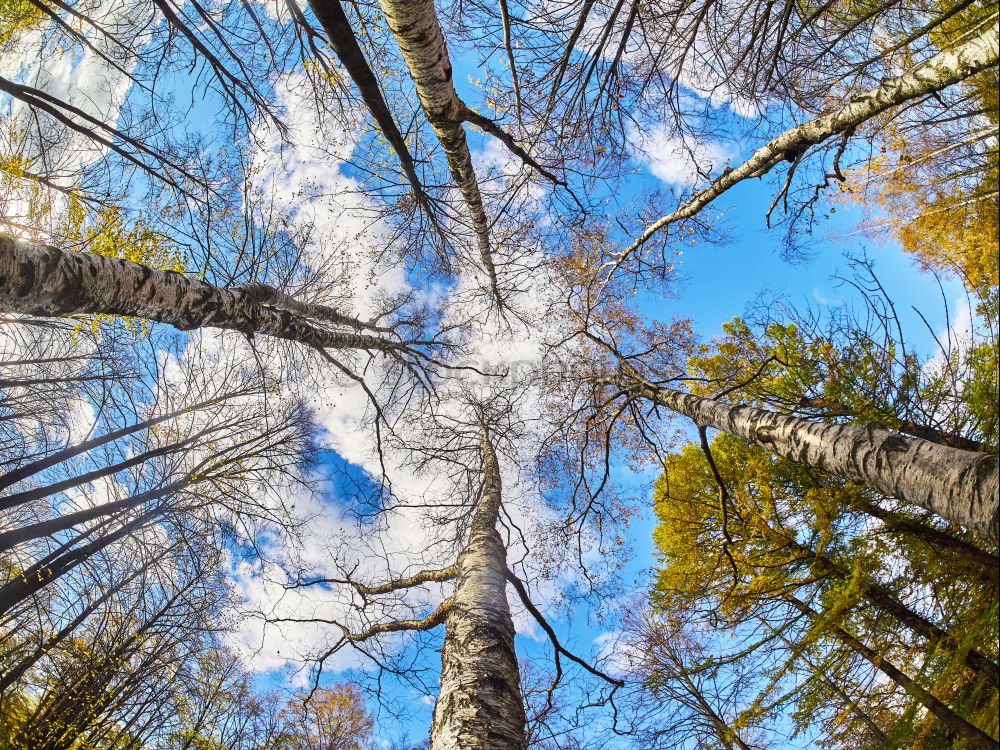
946	68
846	379
768	518
282	224
468	579
936	184
958	485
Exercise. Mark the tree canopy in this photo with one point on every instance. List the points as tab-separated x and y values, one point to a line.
339	352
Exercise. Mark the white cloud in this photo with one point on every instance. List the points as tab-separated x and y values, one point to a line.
308	184
617	653
84	80
495	162
957	339
676	160
300	175
824	297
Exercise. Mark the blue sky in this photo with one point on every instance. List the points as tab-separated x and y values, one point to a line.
719	282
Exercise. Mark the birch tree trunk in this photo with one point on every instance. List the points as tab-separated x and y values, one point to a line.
414	23
961	486
940	71
480	705
50	282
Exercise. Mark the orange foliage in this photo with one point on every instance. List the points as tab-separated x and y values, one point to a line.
332	718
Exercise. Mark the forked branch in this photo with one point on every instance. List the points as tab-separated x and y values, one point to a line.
432	620
558	648
425	576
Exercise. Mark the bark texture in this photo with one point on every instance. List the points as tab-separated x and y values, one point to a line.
834	408
933	75
415	26
51	282
961	486
480	705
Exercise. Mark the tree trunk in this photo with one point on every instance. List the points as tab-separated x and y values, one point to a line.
47	490
45	571
330	14
883	599
961	486
934	537
14	672
50	282
78	449
976	737
940	71
414	23
48	527
480	705
830	408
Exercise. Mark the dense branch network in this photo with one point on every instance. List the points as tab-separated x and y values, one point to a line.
153	498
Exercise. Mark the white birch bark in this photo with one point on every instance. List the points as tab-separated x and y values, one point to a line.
933	75
479	706
961	486
414	23
51	282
